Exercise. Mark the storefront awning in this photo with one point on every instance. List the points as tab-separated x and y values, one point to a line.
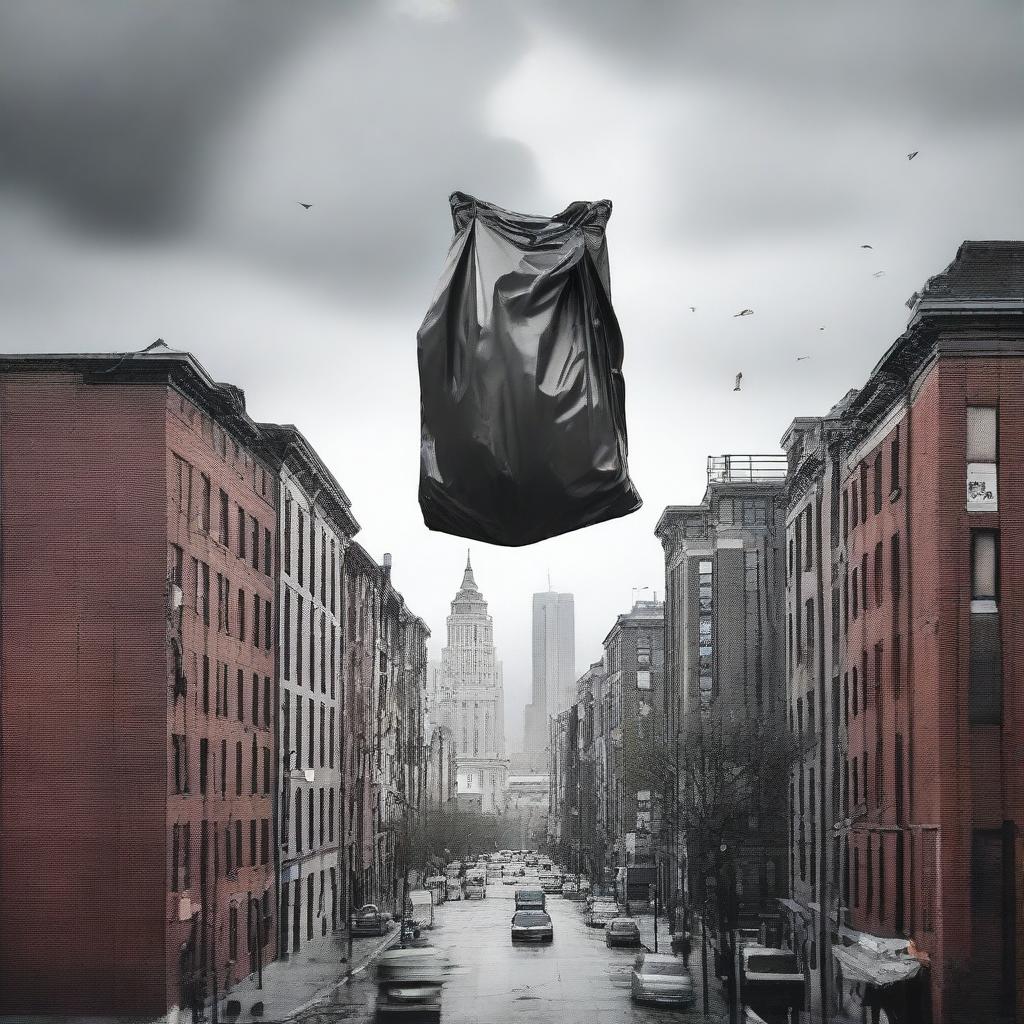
881	970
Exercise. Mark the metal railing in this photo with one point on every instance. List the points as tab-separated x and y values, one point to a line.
746	468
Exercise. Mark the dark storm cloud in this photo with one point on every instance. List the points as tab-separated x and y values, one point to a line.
105	105
375	125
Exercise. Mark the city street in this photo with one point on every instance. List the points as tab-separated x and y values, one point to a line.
576	978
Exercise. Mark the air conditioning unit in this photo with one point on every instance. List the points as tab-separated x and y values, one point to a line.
308	774
176	597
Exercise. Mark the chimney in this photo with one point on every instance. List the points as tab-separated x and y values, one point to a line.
387	566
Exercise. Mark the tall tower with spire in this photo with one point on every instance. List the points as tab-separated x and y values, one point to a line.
471	682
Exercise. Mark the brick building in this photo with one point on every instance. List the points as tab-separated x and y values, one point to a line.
925	711
138	525
724	662
315	527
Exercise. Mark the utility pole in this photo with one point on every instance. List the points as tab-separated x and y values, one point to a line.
704	954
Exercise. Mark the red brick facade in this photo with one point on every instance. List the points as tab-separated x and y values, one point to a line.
96	913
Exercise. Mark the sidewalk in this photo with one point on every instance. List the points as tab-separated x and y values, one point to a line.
718	1007
291	986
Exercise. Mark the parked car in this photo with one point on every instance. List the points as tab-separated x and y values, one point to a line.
771	981
409	984
601	912
530	899
551	882
661	978
476	886
454	889
419	907
570	888
622	931
368	920
532	926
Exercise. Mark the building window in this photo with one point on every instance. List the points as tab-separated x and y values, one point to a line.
255	699
240	711
287	635
256	613
204	763
878	574
643	679
204	503
863	492
894	566
203	592
854	505
982	459
854	592
238	770
809	538
298	731
334	571
267	625
268	555
252	842
179	745
265	841
206	684
705	643
330	818
287	536
809	616
897	667
238	843
846	514
223	519
254	779
298	818
233	932
298	638
301	530
894	463
241	614
877	481
321	815
241	531
223	768
856	876
870	894
266	701
323	728
986	676
254	545
864	581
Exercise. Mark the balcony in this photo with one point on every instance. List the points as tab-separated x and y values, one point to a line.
746	469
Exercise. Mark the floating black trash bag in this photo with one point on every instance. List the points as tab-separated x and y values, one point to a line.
521	389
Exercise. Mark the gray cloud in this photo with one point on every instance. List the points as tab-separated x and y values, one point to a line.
105	106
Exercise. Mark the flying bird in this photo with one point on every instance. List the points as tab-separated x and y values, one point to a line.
305	206
910	156
878	273
739	377
821	328
800	359
693	309
867	247
744	312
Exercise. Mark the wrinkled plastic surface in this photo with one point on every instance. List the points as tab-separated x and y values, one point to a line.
521	387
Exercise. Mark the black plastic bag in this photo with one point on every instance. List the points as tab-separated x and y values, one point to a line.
521	389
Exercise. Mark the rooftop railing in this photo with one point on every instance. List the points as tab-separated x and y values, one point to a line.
746	468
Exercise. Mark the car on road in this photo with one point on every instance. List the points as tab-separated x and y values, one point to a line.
661	978
531	899
570	888
532	926
476	886
551	882
622	931
368	920
509	880
409	984
603	910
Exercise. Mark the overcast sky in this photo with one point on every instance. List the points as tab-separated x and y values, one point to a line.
153	156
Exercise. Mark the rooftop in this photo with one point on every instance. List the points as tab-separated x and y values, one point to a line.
746	469
988	270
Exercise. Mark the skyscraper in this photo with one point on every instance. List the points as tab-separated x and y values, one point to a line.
554	665
472	698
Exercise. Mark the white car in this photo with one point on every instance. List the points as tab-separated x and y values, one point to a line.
601	912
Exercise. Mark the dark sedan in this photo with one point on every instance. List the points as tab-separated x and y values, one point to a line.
532	926
622	931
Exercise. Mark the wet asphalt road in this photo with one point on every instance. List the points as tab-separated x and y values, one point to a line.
575	979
